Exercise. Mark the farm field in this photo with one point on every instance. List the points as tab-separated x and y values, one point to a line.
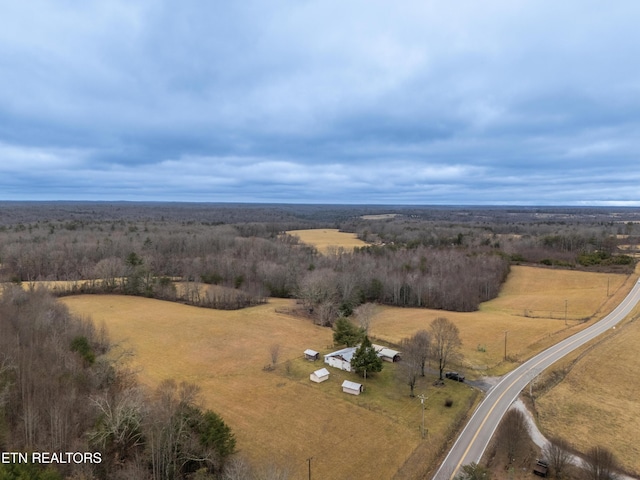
278	416
597	401
281	416
530	308
326	239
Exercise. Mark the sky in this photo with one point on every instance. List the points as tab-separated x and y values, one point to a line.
496	102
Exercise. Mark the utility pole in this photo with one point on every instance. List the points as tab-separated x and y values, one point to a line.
565	312
309	460
422	399
505	344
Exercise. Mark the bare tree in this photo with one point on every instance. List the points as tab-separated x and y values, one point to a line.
274	351
409	367
445	342
364	315
600	464
513	434
557	454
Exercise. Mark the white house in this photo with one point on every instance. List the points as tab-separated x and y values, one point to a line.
352	388
319	375
341	359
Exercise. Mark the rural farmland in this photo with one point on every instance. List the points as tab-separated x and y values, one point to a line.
225	352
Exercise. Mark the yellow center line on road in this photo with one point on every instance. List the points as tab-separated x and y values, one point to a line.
550	354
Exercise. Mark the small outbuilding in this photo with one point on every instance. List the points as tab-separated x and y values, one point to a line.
311	355
387	354
319	376
352	388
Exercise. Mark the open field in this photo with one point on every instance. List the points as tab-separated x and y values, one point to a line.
530	308
278	416
326	239
281	416
597	401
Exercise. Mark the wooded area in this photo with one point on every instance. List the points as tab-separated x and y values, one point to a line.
444	258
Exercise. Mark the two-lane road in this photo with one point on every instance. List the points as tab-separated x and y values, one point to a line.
475	437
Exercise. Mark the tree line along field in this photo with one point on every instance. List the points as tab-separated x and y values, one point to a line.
281	416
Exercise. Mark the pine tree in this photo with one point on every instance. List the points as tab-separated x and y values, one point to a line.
365	359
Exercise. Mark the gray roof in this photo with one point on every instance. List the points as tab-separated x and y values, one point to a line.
345	353
351	385
321	373
308	351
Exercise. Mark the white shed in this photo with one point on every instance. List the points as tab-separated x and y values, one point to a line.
352	388
319	375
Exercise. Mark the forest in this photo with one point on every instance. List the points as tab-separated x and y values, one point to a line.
439	257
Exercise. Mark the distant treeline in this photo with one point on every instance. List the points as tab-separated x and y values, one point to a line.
446	258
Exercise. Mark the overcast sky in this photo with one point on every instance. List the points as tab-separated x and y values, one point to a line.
366	101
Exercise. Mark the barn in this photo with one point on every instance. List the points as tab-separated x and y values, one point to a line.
319	376
352	388
341	359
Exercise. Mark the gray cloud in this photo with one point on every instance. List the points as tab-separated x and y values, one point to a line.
366	102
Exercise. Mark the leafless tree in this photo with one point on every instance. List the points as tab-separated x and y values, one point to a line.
445	342
557	454
512	434
600	464
274	352
364	315
409	367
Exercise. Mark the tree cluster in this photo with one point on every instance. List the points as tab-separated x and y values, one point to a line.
62	389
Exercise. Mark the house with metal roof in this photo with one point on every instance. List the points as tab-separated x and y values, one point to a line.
341	358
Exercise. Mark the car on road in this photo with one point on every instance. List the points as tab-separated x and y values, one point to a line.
458	377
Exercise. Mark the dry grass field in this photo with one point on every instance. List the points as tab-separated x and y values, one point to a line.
278	416
597	402
530	307
327	239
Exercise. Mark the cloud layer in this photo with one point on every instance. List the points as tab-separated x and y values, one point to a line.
499	102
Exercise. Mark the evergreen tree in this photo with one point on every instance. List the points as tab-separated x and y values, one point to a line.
365	359
346	333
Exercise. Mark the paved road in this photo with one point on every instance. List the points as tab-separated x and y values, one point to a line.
473	440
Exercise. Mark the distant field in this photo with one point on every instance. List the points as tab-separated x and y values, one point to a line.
597	403
326	239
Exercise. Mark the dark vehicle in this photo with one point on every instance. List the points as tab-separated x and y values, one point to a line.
458	377
541	468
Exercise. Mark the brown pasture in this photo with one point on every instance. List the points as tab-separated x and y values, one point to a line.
597	402
530	308
280	416
327	239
